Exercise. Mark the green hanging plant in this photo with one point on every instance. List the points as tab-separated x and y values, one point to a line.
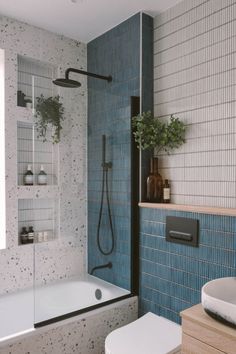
151	133
49	113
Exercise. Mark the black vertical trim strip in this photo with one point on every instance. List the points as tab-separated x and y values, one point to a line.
135	107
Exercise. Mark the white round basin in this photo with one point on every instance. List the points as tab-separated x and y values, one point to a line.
219	299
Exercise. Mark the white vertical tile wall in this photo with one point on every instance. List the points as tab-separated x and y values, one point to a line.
194	79
39	73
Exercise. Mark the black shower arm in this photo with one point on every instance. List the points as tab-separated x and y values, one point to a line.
72	70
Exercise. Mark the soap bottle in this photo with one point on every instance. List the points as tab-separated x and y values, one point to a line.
166	192
31	234
42	177
29	177
24	235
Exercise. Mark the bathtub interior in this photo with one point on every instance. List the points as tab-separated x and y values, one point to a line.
75	294
16	313
21	311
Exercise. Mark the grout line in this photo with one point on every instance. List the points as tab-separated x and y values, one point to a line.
171	296
192	38
195	80
193	257
200	243
170	281
170	267
193	23
196	95
198	108
196	51
183	13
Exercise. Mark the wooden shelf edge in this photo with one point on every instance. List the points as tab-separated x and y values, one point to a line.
191	208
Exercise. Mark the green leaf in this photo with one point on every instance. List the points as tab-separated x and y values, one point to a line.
150	132
49	113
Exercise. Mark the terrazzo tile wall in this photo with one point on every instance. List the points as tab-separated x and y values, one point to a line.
116	53
193	77
65	256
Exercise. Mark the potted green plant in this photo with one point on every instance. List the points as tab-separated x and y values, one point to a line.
152	133
49	113
157	135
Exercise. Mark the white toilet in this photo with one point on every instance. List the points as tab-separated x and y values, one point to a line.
150	334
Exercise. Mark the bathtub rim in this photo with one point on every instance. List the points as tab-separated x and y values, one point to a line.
81	311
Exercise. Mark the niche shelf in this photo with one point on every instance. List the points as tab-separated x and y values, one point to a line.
32	150
42	215
34	79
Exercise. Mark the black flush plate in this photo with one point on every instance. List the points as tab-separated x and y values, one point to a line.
182	230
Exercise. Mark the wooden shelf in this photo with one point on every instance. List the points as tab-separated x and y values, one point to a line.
191	208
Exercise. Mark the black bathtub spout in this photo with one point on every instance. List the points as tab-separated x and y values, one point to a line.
107	265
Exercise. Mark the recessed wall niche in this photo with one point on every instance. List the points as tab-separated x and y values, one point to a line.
34	151
34	79
42	215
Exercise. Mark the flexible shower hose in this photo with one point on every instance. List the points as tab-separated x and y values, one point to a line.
106	190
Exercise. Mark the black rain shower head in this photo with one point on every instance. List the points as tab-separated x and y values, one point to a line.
66	82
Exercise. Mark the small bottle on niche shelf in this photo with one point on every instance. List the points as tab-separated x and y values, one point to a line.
40	236
29	177
31	234
166	192
42	177
24	236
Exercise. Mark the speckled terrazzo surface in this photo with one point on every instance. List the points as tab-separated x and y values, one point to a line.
66	256
79	335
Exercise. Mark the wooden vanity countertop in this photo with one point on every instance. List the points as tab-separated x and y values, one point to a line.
199	316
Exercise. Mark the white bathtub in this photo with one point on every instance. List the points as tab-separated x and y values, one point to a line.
20	311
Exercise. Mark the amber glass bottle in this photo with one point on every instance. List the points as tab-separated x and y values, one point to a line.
158	182
151	184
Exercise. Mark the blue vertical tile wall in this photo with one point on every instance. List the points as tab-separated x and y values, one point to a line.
171	275
116	53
